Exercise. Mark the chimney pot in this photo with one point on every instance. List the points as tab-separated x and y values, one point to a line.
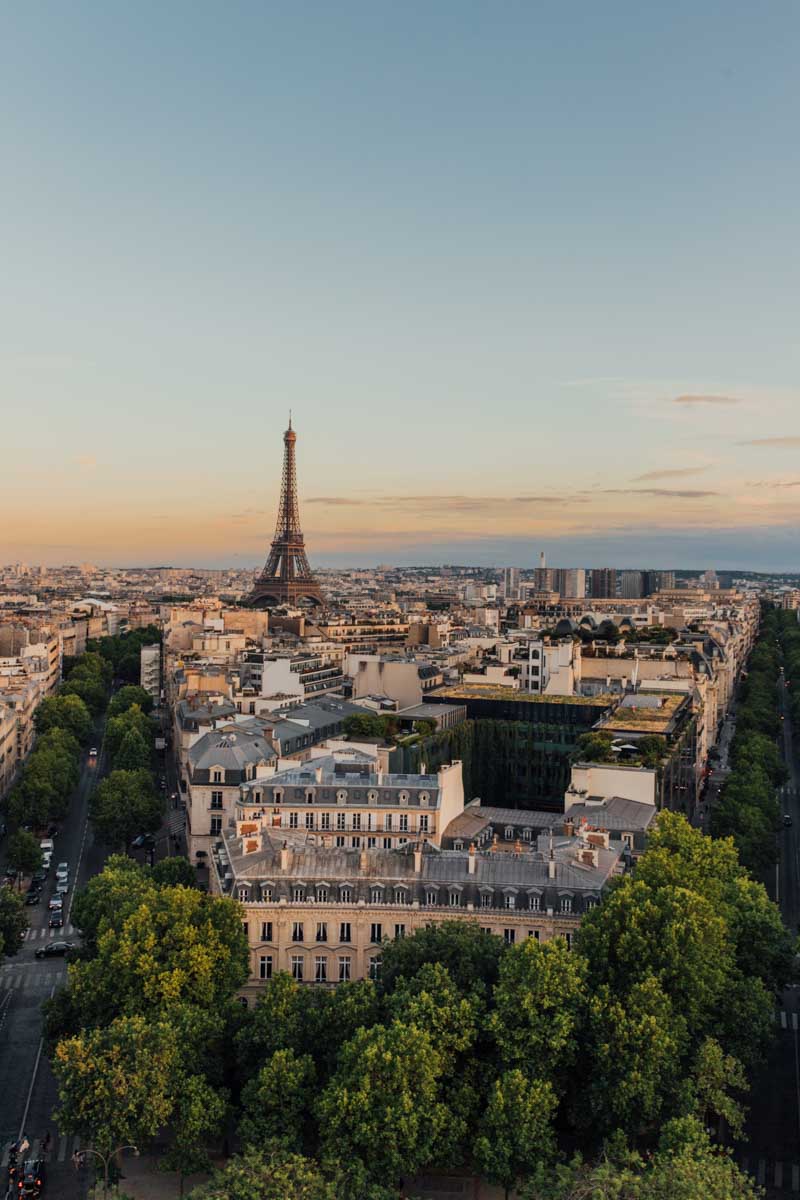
471	859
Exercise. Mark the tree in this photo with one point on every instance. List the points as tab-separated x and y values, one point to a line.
515	1133
277	1101
716	1075
430	1000
539	1002
133	754
381	1106
472	957
110	897
362	725
114	1083
198	1114
64	712
13	922
125	804
271	1176
126	697
24	853
133	719
424	727
174	872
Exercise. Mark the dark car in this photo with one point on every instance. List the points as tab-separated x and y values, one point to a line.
56	918
31	1182
787	820
52	831
33	897
38	878
55	949
144	839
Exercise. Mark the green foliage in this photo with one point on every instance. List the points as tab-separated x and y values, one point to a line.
174	872
64	712
23	852
594	747
126	697
370	725
132	720
275	1175
125	804
472	957
515	1134
122	652
276	1103
13	922
133	754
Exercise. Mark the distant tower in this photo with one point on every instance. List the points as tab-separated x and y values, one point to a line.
542	561
286	577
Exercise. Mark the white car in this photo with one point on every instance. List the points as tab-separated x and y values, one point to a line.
62	869
56	902
62	887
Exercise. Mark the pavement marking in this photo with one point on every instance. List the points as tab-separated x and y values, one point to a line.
794	1021
795	1177
33	1080
783	1018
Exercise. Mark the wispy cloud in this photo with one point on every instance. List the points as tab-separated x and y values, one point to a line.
669	473
791	442
703	398
671	493
454	503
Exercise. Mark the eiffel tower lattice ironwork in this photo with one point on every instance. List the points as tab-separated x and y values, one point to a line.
286	577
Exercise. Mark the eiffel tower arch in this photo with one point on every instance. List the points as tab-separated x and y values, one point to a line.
286	578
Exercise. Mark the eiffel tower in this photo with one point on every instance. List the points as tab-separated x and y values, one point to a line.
287	577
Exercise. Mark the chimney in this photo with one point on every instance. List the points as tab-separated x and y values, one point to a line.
518	847
551	861
363	861
418	859
284	857
471	858
569	828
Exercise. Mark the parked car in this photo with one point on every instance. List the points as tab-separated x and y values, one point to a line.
33	898
143	839
55	949
47	845
62	887
787	820
55	902
56	920
46	861
62	869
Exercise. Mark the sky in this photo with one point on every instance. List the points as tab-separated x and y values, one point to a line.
526	274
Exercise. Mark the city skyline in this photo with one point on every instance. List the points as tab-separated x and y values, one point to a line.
510	276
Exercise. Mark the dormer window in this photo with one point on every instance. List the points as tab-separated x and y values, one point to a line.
424	799
322	895
376	895
216	776
341	796
244	895
278	795
346	895
400	896
372	796
299	895
509	832
403	797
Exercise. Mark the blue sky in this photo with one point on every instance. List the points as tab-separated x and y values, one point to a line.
526	274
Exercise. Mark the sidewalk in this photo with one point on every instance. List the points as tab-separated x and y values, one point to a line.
144	1181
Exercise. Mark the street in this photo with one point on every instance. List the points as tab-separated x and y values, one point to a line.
772	1153
27	1086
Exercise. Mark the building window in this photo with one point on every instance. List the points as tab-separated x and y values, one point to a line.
387	822
400	896
423	822
423	797
320	969
371	843
375	967
568	937
322	895
566	904
309	797
344	968
293	820
455	899
216	799
534	903
403	797
243	894
509	936
325	821
309	820
509	900
246	930
216	776
299	895
265	966
266	931
376	932
356	820
526	835
486	899
376	895
322	931
340	840
387	843
297	967
356	842
340	820
534	933
399	931
404	822
216	825
297	931
591	902
266	895
509	832
458	845
344	932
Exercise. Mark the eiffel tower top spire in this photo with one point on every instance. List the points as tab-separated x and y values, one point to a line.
286	577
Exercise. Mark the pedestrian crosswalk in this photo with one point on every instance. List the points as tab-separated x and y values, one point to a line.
36	934
59	1150
12	980
780	1176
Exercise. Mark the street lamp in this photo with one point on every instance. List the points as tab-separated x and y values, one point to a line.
79	1156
